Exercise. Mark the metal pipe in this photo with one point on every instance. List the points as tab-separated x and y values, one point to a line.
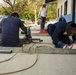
6	51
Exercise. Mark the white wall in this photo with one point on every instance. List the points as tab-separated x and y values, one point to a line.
61	2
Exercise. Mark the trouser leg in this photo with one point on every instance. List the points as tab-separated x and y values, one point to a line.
43	19
50	29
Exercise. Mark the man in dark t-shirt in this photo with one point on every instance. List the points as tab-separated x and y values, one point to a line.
10	30
59	33
56	31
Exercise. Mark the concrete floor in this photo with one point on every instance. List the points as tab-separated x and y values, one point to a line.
47	64
51	60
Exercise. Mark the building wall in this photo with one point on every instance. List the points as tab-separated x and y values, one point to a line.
69	9
75	11
75	5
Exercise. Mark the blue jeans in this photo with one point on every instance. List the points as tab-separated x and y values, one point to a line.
56	33
43	19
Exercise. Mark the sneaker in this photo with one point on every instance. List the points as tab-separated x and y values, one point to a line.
42	31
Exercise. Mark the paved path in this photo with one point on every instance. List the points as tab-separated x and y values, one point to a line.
51	60
47	64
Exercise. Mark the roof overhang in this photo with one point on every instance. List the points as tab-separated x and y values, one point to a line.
47	1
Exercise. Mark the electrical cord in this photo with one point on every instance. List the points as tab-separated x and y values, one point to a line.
29	66
11	56
24	68
31	46
43	43
14	55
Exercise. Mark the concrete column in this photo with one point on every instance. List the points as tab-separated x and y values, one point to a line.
73	11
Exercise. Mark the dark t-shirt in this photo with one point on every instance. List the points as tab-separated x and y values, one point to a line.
10	31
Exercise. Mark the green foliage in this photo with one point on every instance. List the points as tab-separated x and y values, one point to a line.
27	9
52	10
1	10
28	15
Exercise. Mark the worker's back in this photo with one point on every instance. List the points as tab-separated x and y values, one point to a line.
10	31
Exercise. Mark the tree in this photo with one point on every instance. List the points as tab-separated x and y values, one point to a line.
52	10
15	6
10	4
33	6
28	9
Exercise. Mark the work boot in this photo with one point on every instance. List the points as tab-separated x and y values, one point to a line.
42	31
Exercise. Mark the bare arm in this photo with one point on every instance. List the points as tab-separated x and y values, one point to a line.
24	28
0	27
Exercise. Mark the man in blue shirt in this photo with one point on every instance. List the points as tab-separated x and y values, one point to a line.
60	35
10	30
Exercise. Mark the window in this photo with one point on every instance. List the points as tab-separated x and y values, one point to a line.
65	8
58	12
61	9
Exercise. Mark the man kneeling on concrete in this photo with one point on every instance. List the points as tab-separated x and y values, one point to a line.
71	31
10	30
59	34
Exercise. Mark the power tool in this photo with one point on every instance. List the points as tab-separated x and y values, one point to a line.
28	38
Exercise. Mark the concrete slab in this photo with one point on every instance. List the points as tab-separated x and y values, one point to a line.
51	60
47	64
45	47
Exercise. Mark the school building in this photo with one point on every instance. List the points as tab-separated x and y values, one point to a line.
67	8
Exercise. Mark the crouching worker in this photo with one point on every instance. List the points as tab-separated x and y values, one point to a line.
59	34
71	31
10	30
